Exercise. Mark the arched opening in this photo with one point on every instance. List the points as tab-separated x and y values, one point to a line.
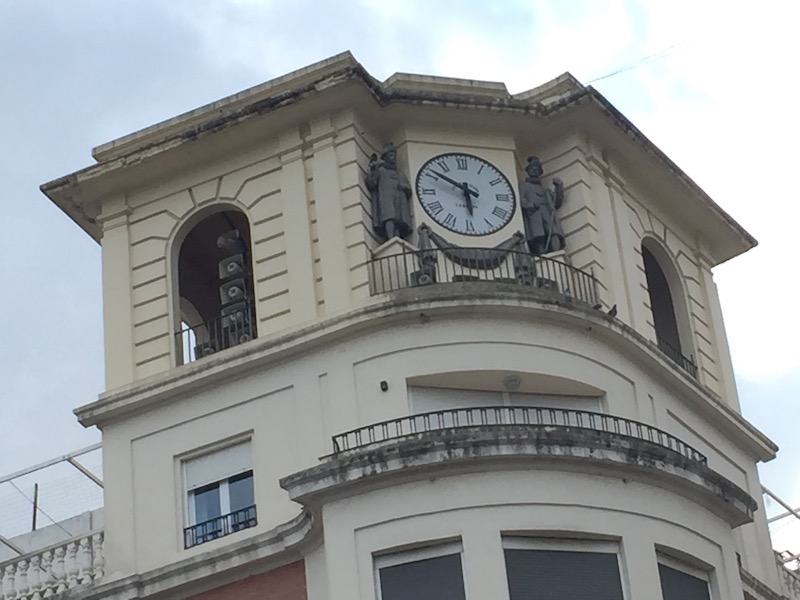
215	286
669	320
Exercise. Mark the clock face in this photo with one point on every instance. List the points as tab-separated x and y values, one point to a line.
465	194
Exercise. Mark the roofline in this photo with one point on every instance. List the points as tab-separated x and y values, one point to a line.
401	88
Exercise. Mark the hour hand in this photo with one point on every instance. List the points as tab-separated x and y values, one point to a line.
468	197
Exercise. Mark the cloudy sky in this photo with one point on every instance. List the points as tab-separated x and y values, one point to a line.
712	83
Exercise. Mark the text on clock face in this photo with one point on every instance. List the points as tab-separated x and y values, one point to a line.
465	194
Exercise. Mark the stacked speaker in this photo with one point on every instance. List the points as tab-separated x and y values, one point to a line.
236	313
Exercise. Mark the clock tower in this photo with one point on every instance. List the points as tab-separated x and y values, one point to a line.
419	338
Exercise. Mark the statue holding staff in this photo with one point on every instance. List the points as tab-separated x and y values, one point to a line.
539	204
390	194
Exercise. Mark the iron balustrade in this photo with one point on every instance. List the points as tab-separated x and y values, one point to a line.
676	356
220	333
413	268
218	527
488	416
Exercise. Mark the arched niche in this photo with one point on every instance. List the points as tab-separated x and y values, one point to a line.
213	281
668	304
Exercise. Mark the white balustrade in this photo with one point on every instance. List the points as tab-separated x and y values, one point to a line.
50	571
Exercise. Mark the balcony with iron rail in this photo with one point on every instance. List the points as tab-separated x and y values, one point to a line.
676	356
415	268
450	441
226	331
555	278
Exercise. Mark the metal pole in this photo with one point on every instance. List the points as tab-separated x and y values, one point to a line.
35	505
791	510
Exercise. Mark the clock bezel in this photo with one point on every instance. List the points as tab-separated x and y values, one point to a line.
513	193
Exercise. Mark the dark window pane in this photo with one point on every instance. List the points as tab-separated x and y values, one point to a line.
557	575
241	491
437	578
206	503
677	585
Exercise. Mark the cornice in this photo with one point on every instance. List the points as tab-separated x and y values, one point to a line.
225	563
80	193
409	305
451	451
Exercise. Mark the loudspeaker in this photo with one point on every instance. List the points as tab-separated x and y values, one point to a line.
232	266
232	291
205	349
234	316
232	242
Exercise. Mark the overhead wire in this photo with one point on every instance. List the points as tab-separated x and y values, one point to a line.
40	509
642	61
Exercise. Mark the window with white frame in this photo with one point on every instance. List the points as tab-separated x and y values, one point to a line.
680	581
562	569
219	494
431	573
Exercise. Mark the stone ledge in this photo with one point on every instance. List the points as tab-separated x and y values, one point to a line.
474	449
409	305
219	566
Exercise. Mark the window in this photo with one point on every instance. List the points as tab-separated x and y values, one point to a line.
558	569
680	581
425	574
215	300
219	492
670	318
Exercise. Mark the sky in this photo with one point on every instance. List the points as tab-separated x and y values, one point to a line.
711	83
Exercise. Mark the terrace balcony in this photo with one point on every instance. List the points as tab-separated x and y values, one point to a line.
464	438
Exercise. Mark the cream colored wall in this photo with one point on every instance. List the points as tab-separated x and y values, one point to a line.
303	196
605	217
292	410
477	509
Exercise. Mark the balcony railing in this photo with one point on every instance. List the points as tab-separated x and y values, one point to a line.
675	355
52	570
221	333
488	416
413	268
218	527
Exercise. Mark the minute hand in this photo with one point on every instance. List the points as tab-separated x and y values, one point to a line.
460	185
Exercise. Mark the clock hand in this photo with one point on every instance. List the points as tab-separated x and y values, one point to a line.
468	197
462	185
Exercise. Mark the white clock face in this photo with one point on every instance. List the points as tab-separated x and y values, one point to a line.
465	194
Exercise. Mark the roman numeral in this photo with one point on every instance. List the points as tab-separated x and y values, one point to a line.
443	166
489	223
449	220
435	207
470	227
481	169
428	191
461	163
503	197
496	181
502	213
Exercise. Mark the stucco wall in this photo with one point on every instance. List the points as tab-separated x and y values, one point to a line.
291	410
304	195
478	510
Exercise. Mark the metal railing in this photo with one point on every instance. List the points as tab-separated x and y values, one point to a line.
487	416
676	356
412	268
223	332
218	527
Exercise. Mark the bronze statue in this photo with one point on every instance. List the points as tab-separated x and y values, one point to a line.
390	195
539	204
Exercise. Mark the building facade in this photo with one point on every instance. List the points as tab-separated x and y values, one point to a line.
412	339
